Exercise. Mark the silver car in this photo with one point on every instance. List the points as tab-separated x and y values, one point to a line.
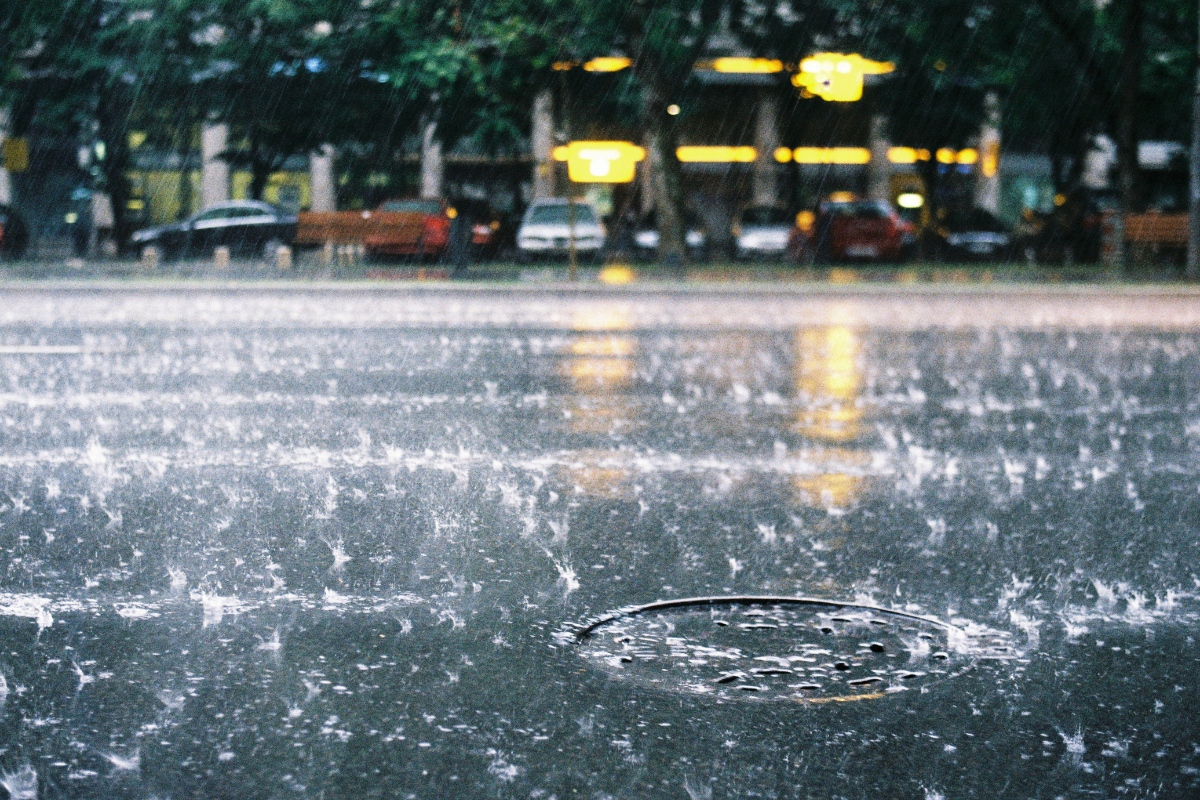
546	230
761	232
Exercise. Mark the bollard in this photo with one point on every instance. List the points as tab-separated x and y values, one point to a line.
151	257
221	257
283	258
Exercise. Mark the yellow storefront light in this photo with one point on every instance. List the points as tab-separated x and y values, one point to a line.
991	160
716	155
745	66
783	155
607	64
831	155
600	162
968	156
15	152
837	76
946	156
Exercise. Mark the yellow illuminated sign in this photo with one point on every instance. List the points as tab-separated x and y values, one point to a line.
906	155
837	76
16	154
716	155
991	159
746	65
600	162
831	155
607	64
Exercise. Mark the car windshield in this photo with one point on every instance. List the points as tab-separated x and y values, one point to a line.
560	214
857	210
691	220
766	217
974	221
413	206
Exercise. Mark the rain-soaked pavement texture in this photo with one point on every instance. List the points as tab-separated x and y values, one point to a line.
341	544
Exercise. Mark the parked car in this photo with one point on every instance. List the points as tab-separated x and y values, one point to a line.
854	230
427	235
760	232
695	236
246	227
971	235
546	230
482	226
14	233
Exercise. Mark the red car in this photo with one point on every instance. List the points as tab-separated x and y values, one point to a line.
853	230
426	233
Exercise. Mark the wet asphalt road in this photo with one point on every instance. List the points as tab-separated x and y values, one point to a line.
332	543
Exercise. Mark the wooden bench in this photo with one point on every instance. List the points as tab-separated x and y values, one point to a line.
1162	230
1156	238
316	228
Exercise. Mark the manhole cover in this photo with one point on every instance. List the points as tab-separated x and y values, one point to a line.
781	648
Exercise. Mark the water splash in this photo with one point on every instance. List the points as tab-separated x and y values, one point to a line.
178	579
567	578
340	559
22	784
129	763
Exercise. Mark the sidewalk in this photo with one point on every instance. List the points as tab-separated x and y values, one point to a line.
597	276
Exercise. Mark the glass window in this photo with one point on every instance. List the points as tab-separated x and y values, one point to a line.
766	216
413	206
561	215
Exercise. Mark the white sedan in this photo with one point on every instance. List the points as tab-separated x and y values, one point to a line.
761	231
546	229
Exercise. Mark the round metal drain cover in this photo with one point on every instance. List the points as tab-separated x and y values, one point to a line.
780	648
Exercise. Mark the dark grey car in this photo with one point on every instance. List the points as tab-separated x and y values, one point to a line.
246	227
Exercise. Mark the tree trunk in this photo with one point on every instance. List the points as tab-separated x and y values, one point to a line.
666	177
1127	105
113	120
260	174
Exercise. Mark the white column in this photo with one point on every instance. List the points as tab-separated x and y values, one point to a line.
542	143
431	161
879	171
766	141
214	171
5	181
987	186
321	183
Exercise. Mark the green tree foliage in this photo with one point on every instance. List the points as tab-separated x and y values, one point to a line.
292	75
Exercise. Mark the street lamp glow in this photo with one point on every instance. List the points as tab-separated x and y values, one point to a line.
716	155
837	76
831	155
910	200
748	66
600	162
673	110
607	64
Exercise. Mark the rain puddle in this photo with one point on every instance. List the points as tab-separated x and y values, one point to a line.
804	650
